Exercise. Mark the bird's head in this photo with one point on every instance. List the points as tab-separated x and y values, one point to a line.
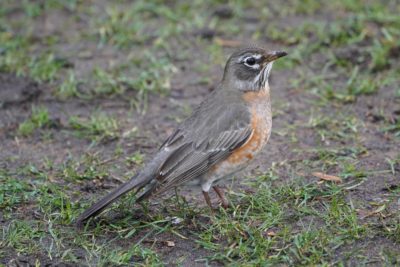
248	69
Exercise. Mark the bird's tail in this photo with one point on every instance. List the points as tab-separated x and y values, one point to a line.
135	183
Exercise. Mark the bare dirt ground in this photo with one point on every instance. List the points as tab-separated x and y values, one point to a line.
80	114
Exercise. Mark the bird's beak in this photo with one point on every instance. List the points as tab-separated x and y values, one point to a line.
274	55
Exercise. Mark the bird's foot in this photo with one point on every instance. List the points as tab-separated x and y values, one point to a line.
221	195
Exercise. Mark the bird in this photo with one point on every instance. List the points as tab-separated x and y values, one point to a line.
221	137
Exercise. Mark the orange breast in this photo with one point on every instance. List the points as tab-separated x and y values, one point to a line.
259	105
256	141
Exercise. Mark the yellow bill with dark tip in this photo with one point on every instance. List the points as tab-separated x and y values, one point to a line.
274	55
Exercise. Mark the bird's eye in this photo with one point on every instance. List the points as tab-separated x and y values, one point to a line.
250	61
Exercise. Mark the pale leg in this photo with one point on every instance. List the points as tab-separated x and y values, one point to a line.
207	198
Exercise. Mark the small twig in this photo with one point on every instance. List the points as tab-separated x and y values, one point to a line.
107	160
117	178
327	177
354	186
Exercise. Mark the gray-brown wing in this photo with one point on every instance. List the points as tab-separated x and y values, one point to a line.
199	144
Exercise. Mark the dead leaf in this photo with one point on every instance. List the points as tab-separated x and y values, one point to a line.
380	209
327	177
170	243
364	213
227	43
234	244
271	233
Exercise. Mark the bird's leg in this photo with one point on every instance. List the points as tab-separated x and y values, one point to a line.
207	198
221	195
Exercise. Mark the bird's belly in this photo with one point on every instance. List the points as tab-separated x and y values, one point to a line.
242	156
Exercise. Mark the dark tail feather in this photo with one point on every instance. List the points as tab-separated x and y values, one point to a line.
110	198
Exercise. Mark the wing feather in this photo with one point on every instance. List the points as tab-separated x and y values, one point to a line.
217	127
197	162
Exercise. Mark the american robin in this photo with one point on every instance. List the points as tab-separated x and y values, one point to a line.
221	136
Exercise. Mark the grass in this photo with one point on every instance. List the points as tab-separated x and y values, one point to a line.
69	87
13	192
97	128
39	119
334	128
289	224
337	115
154	78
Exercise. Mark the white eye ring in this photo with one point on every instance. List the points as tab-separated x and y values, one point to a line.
251	62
